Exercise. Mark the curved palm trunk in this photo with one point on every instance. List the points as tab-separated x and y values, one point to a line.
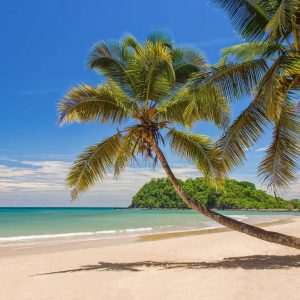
269	236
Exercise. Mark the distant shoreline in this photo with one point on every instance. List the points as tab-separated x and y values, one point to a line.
231	209
180	233
145	208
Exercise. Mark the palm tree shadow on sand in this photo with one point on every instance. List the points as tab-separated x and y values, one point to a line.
254	262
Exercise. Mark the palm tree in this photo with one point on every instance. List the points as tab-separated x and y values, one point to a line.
271	30
148	90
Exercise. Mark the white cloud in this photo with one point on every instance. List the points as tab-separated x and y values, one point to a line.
33	176
42	183
261	149
44	175
4	158
48	167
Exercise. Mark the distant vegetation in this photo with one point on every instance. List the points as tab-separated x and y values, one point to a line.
159	193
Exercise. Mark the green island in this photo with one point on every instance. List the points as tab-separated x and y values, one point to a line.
159	193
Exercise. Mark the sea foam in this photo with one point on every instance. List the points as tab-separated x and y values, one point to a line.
74	234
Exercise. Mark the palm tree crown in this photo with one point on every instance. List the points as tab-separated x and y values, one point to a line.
271	30
155	87
149	86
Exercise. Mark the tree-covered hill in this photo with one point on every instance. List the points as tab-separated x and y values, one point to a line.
159	193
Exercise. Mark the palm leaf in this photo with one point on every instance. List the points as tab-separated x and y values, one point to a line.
162	37
111	59
280	25
129	42
279	166
196	103
173	111
152	71
187	60
197	149
85	103
250	17
274	83
125	154
250	51
233	79
92	165
242	134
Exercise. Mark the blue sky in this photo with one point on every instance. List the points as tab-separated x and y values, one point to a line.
44	46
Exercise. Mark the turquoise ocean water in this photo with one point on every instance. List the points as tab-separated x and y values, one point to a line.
28	224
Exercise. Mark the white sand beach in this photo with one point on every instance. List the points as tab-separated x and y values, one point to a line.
220	265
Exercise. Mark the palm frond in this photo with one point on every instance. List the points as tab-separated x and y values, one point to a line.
233	79
208	104
279	166
191	104
187	60
290	65
250	51
280	25
111	59
125	154
92	165
250	17
173	111
242	134
85	103
162	37
274	83
128	42
197	149
152	71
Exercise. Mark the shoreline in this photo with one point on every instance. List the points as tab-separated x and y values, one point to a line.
166	235
134	228
66	245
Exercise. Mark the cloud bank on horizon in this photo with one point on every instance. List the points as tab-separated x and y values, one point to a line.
41	183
